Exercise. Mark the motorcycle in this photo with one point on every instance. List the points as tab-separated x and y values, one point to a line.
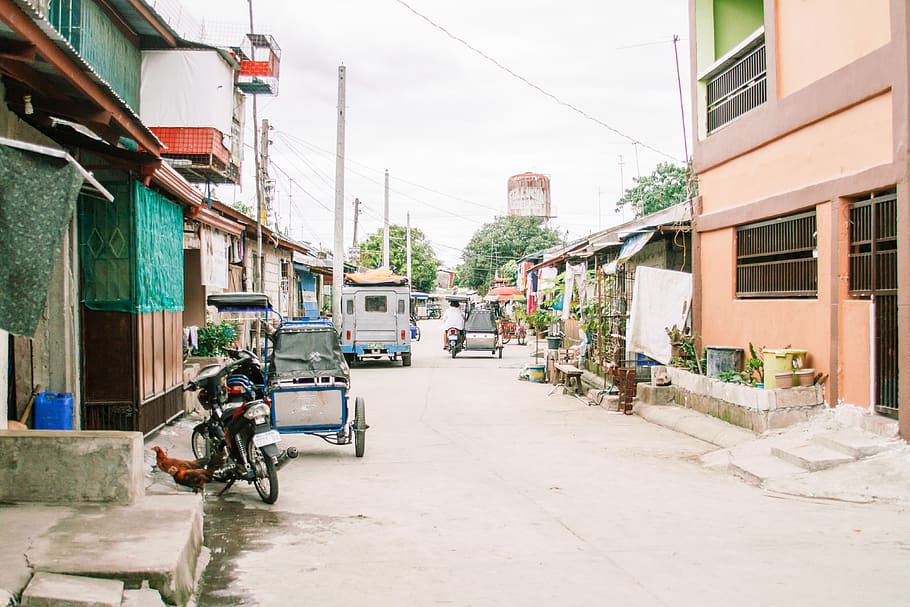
246	381
454	341
237	440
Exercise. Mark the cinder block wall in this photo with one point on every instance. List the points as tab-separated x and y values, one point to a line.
58	466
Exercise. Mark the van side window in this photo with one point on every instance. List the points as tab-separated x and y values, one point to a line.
376	303
401	306
349	307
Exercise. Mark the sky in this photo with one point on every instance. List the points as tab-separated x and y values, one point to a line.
449	124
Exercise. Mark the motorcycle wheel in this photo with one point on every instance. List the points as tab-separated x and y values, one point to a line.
199	442
521	339
454	351
266	480
506	340
360	426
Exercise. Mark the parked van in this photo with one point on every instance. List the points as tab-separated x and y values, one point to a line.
375	317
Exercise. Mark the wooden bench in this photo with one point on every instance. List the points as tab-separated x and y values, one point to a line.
566	373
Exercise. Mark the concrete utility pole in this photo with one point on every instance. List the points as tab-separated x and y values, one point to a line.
385	233
258	286
264	164
409	248
338	253
356	215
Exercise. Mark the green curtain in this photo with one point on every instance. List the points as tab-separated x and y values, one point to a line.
37	199
132	251
159	252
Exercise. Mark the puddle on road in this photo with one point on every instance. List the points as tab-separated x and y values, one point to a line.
232	528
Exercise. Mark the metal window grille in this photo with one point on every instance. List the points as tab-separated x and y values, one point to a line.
873	275
738	89
777	258
873	245
66	17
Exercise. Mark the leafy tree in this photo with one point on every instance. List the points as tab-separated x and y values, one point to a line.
663	188
507	239
424	263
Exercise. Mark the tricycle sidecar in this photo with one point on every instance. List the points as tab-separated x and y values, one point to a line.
481	332
308	383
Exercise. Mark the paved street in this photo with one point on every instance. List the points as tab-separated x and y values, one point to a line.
479	489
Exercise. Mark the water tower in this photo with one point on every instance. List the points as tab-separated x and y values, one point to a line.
529	195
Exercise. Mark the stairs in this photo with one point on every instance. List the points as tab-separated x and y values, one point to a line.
75	591
768	461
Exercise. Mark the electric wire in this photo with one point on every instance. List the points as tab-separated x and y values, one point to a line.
534	86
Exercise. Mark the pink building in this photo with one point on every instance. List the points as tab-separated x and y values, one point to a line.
801	154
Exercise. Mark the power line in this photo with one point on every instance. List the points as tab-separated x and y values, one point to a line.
532	85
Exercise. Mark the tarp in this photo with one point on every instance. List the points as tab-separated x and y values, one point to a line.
206	99
629	248
37	199
379	277
306	352
660	299
480	320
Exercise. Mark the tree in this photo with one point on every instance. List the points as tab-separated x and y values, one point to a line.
242	207
424	263
508	239
663	188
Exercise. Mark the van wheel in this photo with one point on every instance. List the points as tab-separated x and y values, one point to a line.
405	359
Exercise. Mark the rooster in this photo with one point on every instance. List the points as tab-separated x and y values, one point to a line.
165	463
195	478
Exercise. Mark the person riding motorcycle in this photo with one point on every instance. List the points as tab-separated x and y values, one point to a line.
452	319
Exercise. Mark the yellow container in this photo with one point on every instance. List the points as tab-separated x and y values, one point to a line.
781	361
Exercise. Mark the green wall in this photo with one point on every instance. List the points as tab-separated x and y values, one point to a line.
101	44
734	20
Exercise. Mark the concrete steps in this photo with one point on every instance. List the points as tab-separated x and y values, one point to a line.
856	443
757	469
61	590
812	457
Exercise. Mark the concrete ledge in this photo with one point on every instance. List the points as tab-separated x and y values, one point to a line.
54	590
66	467
158	540
697	425
755	409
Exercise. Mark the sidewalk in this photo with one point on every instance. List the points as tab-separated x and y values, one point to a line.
146	553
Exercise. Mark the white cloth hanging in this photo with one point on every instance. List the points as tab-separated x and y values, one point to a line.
575	273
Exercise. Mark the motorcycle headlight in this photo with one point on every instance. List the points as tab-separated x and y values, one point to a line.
257	410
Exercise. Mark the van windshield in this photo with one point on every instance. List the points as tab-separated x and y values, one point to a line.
376	303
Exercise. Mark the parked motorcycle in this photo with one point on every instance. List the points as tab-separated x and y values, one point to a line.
237	439
246	381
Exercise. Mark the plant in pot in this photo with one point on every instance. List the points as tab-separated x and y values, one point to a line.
804	376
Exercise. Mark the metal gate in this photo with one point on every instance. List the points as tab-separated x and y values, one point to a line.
873	275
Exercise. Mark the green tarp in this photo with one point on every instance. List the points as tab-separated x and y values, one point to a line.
132	251
37	199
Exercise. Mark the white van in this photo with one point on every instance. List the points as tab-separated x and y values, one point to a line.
375	322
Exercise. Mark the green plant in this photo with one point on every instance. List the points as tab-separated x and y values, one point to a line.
734	377
754	368
213	337
541	319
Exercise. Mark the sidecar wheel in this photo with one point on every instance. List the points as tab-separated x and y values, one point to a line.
360	426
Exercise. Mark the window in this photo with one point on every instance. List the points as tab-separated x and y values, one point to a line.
777	258
401	306
376	303
349	307
873	244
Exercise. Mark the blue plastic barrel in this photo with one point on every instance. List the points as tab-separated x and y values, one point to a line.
54	411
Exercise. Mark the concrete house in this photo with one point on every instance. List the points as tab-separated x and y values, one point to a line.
801	130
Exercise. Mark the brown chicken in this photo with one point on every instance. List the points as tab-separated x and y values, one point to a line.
165	463
194	478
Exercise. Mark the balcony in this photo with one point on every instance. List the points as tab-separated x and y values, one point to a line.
737	83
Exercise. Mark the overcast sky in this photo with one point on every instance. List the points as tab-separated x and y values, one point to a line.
449	125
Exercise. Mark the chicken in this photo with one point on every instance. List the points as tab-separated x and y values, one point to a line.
165	463
195	478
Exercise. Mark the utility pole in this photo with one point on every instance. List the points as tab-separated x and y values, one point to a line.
409	248
338	253
385	233
259	204
622	188
267	190
356	215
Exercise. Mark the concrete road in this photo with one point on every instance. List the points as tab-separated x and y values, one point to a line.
479	489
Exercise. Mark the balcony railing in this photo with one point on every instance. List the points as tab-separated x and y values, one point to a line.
738	83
